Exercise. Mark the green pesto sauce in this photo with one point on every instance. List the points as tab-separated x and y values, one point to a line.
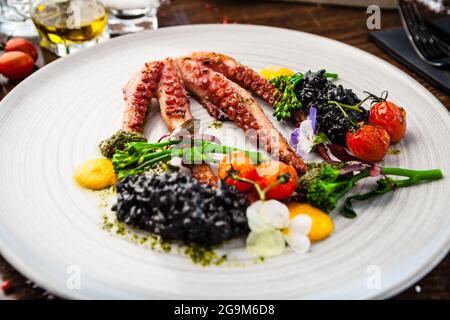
114	227
204	256
104	196
216	124
199	255
393	152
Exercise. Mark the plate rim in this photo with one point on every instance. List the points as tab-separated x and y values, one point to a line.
398	286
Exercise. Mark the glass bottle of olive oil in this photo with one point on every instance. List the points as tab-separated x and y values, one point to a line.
67	24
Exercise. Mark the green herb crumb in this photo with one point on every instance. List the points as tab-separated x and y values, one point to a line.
204	256
394	152
216	124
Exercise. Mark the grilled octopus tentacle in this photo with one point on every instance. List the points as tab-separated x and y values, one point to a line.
238	104
175	110
250	80
154	80
138	94
235	71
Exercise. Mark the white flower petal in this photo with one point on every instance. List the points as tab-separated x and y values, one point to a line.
298	242
268	243
306	138
301	224
255	220
275	213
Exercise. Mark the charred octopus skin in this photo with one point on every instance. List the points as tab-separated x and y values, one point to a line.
138	94
235	71
161	79
175	110
239	106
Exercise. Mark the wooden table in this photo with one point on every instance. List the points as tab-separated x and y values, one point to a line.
344	24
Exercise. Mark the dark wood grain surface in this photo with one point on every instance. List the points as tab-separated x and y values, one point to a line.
344	24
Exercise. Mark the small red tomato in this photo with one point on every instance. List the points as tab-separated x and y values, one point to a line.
6	286
272	171
369	143
23	45
239	164
16	65
391	117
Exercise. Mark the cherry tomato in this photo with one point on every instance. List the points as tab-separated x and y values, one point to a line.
369	142
16	65
270	172
7	286
391	117
241	165
20	44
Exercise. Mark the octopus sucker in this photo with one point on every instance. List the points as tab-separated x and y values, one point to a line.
213	110
244	76
172	97
138	93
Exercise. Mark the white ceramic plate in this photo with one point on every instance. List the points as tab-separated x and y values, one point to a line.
53	121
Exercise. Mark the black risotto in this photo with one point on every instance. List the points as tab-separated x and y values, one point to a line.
315	90
178	208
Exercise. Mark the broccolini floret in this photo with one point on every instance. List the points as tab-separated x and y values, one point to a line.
287	100
325	184
325	189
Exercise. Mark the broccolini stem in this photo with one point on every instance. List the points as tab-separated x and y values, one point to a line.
153	158
415	175
211	147
350	183
146	145
123	173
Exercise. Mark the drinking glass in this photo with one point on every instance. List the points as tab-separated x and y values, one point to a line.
15	19
129	16
65	26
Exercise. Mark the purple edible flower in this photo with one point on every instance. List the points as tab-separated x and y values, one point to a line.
295	137
312	116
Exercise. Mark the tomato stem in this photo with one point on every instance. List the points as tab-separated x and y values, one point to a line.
261	193
283	178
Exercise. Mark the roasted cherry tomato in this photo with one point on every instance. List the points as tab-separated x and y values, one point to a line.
20	44
242	166
16	65
369	142
272	171
391	117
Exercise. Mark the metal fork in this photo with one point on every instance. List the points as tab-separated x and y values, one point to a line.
427	46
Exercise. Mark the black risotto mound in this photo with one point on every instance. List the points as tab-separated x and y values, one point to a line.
315	90
178	208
